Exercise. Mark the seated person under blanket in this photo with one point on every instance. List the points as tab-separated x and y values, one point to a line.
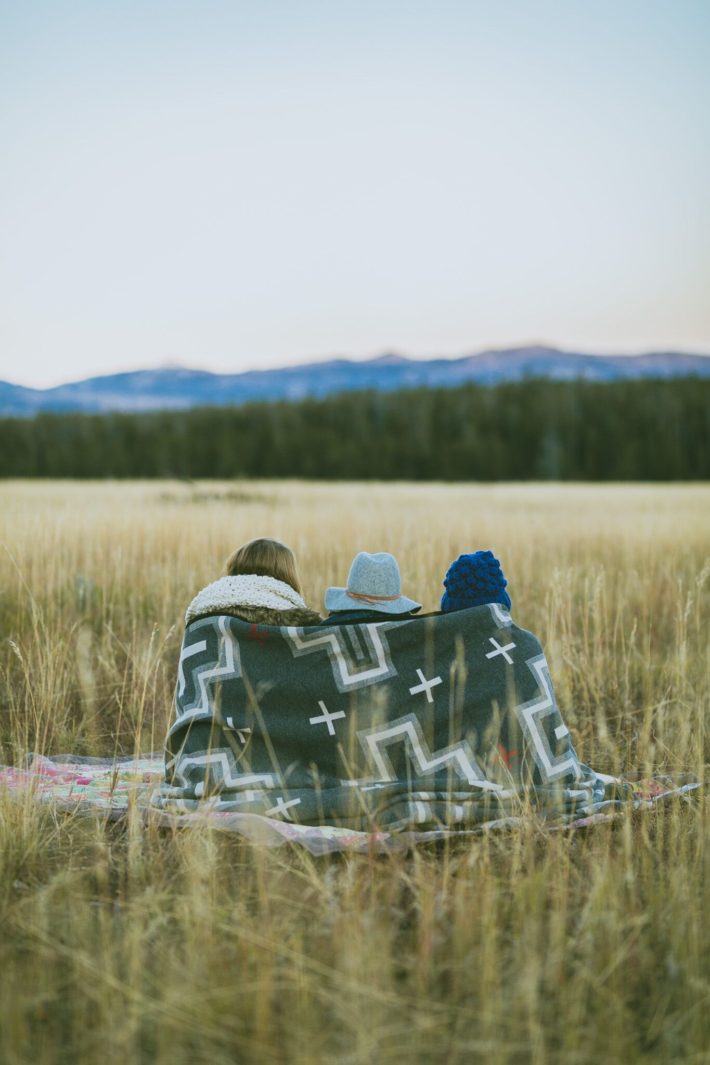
373	592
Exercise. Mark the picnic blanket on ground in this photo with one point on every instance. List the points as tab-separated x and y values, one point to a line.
108	787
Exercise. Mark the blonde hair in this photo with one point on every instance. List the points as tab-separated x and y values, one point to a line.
265	558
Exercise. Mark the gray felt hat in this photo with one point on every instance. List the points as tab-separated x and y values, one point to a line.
373	584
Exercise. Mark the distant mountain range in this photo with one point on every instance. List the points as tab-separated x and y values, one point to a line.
176	388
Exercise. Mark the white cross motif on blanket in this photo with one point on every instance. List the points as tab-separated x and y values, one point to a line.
425	686
326	717
499	650
282	808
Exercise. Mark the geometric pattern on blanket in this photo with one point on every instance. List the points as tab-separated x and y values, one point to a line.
447	720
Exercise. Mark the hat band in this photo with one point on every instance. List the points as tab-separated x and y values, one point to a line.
372	598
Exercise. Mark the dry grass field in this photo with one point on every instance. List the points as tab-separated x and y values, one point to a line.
122	945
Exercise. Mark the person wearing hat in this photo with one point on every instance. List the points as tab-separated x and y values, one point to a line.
373	592
474	580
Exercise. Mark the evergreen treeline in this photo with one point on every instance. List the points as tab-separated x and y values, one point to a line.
535	429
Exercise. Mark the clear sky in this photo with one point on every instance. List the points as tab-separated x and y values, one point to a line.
232	184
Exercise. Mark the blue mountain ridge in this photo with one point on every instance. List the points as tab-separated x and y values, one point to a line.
177	388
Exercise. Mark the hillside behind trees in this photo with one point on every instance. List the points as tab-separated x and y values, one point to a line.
529	430
182	388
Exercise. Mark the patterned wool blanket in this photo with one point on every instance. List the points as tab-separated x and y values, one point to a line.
426	725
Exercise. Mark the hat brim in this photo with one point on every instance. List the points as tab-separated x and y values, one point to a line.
337	599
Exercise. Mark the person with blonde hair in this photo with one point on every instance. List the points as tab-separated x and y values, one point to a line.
260	585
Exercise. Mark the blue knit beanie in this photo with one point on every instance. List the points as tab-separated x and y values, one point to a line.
473	580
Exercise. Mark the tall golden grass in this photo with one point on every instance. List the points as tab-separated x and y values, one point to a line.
124	944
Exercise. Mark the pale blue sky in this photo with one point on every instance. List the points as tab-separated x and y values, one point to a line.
233	185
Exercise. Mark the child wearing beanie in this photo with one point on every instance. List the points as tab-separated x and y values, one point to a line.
474	580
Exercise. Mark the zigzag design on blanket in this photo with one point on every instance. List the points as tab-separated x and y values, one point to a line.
353	665
531	715
226	667
408	730
501	617
223	771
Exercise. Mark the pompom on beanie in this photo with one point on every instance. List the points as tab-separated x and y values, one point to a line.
473	580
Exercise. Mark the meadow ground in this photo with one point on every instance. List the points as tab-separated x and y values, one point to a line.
120	944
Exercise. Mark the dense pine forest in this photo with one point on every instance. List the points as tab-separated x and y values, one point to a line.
531	430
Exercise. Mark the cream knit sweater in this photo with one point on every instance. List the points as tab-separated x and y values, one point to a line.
246	590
